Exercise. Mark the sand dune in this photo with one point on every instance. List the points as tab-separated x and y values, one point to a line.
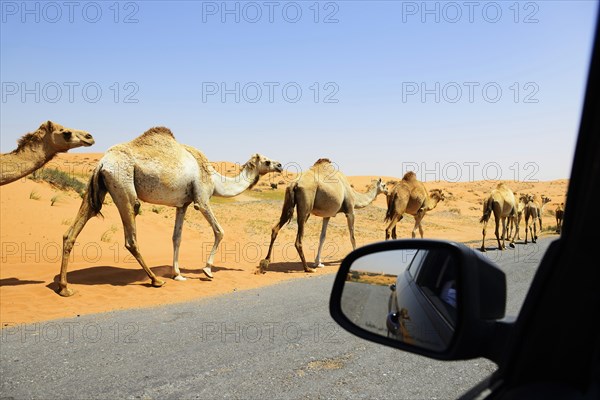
107	278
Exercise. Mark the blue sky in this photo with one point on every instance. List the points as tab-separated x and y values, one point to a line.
453	90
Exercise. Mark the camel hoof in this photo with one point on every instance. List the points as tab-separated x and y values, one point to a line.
207	272
483	250
179	278
157	283
264	264
512	245
319	265
65	292
311	270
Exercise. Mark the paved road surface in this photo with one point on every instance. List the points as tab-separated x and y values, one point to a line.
276	342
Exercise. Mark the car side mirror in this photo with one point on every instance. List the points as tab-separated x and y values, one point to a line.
436	298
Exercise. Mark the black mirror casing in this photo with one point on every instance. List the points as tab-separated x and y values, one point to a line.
481	298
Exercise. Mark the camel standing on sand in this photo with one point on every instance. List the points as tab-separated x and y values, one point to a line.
410	196
37	148
559	214
157	169
322	191
540	203
502	203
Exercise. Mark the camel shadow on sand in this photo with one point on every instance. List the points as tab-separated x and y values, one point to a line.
117	276
296	267
17	282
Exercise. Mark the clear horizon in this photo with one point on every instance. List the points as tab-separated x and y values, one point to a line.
456	91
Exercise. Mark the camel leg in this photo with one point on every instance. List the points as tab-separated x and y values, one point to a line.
179	216
497	233
534	233
392	227
504	228
483	234
318	262
418	219
350	220
127	207
83	215
301	222
264	264
218	231
515	232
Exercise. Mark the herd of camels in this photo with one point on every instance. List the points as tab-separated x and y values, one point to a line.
156	168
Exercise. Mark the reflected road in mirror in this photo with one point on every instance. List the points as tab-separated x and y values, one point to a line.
407	295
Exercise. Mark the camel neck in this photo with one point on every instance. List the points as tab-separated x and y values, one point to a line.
229	186
362	200
19	164
431	203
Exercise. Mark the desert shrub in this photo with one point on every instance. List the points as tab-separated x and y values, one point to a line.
58	179
33	195
55	199
156	209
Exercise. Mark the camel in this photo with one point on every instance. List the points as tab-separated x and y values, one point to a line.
410	196
559	214
540	203
502	203
322	191
157	169
514	223
532	213
37	148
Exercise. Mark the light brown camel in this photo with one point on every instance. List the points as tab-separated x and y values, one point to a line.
532	214
409	196
559	214
37	148
502	203
514	223
157	169
540	203
322	191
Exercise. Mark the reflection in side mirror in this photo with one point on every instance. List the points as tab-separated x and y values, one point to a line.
409	295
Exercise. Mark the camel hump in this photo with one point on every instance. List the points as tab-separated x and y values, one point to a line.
409	176
158	130
322	161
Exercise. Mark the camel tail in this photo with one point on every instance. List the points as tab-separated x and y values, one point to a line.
289	203
96	191
487	210
391	207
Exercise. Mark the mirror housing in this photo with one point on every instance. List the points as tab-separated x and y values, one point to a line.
479	331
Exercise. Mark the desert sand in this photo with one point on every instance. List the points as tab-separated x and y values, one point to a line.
107	278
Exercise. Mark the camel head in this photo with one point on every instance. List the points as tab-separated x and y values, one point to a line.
436	194
63	139
546	199
525	198
264	165
381	186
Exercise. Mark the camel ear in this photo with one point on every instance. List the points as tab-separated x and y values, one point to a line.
47	126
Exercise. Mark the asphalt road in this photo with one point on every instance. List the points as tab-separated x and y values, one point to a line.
277	342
